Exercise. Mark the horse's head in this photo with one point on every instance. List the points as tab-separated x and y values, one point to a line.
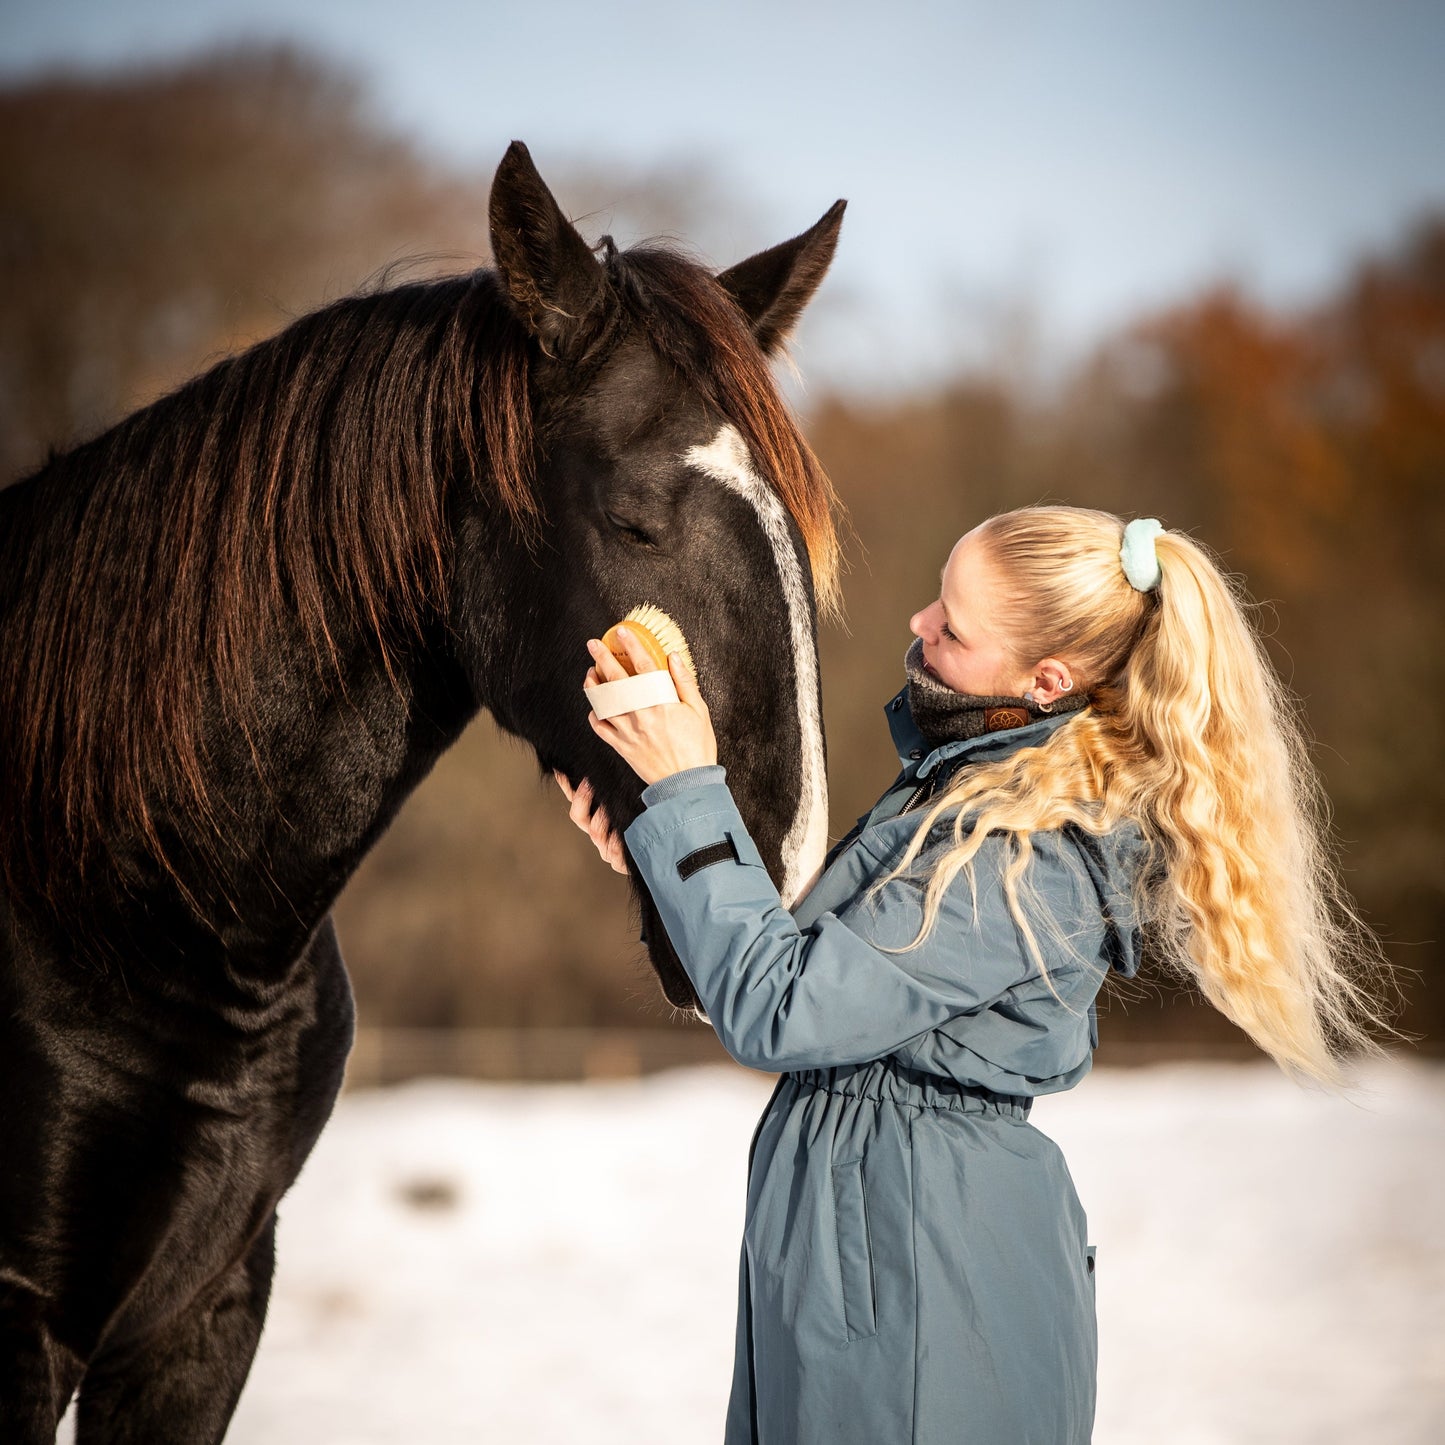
669	471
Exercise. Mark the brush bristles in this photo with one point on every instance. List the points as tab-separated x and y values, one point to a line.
664	629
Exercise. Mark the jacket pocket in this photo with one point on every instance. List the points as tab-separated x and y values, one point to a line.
855	1250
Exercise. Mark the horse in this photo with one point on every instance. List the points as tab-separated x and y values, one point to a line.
238	628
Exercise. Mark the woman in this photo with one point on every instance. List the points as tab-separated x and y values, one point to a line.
1092	742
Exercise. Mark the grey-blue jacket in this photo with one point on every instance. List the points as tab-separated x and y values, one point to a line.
915	1265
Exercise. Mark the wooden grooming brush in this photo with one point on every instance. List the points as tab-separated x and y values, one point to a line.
658	633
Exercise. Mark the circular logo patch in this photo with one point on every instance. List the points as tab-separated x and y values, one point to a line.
996	719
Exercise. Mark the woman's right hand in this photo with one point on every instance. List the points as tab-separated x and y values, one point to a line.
593	821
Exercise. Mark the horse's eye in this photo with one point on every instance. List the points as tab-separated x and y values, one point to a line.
636	534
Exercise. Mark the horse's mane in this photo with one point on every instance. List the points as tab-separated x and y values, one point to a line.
299	485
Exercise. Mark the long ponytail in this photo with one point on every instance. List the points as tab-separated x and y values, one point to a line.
1192	735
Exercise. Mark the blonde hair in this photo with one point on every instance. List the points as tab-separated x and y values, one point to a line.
1191	735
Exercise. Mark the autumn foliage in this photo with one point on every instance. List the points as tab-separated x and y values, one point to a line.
154	220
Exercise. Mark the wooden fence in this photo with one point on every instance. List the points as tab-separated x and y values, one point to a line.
390	1056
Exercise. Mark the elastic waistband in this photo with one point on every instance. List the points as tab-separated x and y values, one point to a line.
890	1082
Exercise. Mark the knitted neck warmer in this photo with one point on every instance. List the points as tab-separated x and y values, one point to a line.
945	716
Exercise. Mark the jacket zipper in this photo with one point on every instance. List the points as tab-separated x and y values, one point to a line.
918	792
925	787
915	795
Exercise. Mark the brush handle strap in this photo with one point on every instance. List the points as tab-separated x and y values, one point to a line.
629	694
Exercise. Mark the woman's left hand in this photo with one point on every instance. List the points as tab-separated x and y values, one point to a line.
660	740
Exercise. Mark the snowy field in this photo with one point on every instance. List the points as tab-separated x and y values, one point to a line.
539	1264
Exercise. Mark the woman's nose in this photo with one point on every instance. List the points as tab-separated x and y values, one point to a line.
919	625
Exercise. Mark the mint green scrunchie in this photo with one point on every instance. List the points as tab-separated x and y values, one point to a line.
1141	561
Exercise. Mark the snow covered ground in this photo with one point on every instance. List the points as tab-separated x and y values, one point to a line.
536	1264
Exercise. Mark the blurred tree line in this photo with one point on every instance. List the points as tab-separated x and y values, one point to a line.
153	220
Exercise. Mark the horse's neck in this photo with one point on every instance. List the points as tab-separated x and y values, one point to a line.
334	759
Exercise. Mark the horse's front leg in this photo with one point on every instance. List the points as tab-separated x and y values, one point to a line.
37	1373
179	1384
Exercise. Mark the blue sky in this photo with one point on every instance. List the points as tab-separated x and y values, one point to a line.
1012	169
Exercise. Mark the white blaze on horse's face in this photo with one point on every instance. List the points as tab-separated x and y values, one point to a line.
726	459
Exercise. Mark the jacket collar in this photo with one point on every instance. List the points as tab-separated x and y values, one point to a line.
914	750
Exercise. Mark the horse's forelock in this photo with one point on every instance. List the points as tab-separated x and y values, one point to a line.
693	324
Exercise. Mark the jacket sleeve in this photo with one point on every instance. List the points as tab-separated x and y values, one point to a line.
781	998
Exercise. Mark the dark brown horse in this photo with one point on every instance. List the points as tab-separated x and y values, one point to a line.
235	632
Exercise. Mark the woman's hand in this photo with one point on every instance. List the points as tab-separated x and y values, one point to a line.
593	821
654	741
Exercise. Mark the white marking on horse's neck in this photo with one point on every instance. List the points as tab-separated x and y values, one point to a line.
726	459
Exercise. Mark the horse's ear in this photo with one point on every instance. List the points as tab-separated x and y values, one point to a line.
549	273
774	286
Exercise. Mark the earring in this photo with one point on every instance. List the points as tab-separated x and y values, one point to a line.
1067	686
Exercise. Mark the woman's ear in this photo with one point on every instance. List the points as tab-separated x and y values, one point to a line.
1052	680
